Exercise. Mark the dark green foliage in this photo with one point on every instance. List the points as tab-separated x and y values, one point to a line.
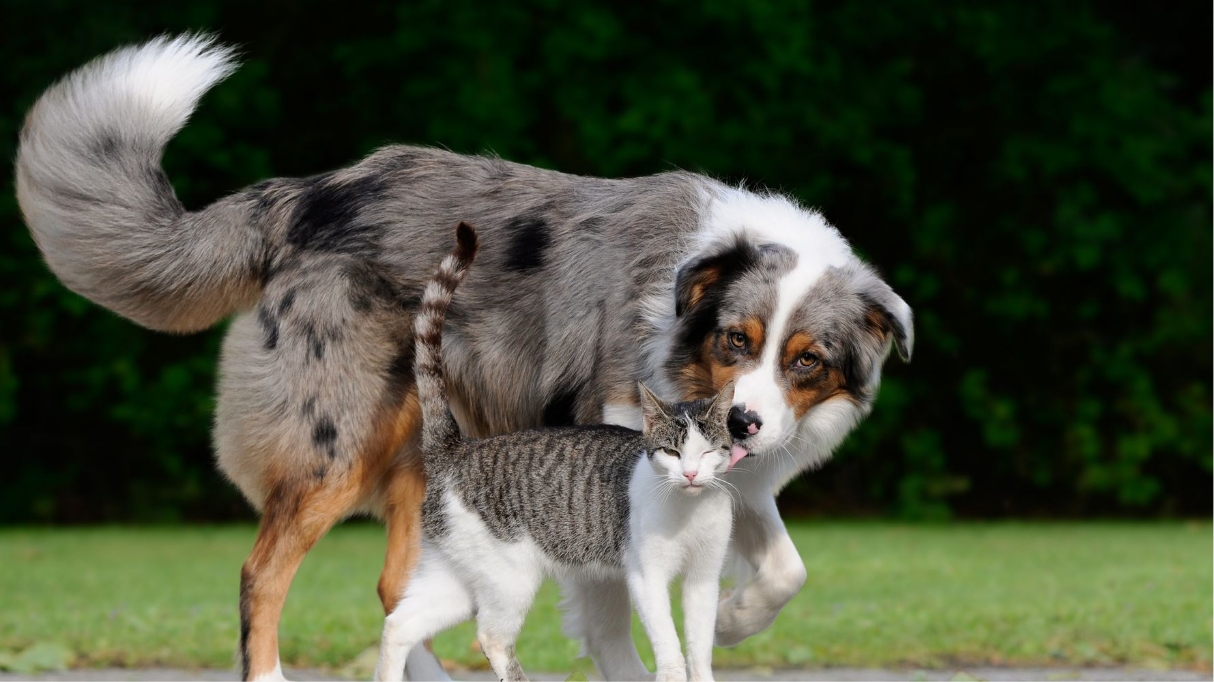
1033	178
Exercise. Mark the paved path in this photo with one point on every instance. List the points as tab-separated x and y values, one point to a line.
817	675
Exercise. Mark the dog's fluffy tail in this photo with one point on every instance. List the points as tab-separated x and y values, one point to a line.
102	211
439	430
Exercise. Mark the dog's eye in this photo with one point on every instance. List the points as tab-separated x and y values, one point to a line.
808	360
737	339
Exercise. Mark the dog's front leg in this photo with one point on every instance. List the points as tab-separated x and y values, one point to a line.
760	538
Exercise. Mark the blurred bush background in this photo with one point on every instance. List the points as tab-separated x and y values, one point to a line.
1034	178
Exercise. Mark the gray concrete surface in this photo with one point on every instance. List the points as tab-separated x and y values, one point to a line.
757	674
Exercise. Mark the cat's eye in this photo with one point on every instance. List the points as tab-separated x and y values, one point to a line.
808	360
737	339
668	451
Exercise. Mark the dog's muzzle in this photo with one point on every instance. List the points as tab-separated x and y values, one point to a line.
743	423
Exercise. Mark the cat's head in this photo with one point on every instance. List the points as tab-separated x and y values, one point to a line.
688	443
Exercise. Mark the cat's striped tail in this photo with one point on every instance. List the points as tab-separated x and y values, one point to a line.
439	430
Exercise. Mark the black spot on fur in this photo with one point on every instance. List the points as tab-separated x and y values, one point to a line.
327	216
319	472
309	406
288	300
325	436
399	372
106	148
561	410
360	301
530	238
269	327
263	198
316	343
264	265
369	286
402	159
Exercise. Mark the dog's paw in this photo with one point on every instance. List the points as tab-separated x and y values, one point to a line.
672	674
274	675
736	621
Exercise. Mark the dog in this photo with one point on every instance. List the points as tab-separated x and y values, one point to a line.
584	287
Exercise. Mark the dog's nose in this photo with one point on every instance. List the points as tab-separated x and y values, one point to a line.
743	423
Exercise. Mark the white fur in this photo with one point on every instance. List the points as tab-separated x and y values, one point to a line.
677	526
621	414
434	292
274	675
164	78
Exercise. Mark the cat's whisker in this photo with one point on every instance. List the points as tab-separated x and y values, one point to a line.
723	485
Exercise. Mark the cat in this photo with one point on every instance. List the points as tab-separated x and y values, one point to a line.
598	502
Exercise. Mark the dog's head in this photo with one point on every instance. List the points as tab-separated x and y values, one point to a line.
775	301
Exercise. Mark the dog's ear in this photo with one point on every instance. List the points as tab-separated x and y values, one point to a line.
887	315
693	282
696	280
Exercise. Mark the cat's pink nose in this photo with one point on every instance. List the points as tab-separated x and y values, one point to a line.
691	476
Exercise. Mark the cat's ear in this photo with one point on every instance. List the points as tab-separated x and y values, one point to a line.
652	407
721	404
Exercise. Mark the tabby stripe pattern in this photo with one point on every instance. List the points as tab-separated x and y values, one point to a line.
439	430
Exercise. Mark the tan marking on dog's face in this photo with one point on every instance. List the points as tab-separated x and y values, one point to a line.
754	330
723	356
810	380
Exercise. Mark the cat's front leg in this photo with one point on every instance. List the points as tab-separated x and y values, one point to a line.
701	587
651	596
761	539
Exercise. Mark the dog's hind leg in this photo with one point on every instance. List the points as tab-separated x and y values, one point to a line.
402	511
403	494
295	517
314	415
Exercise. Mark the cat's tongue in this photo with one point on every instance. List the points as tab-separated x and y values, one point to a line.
736	453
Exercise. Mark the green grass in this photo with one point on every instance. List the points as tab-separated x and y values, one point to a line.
878	595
